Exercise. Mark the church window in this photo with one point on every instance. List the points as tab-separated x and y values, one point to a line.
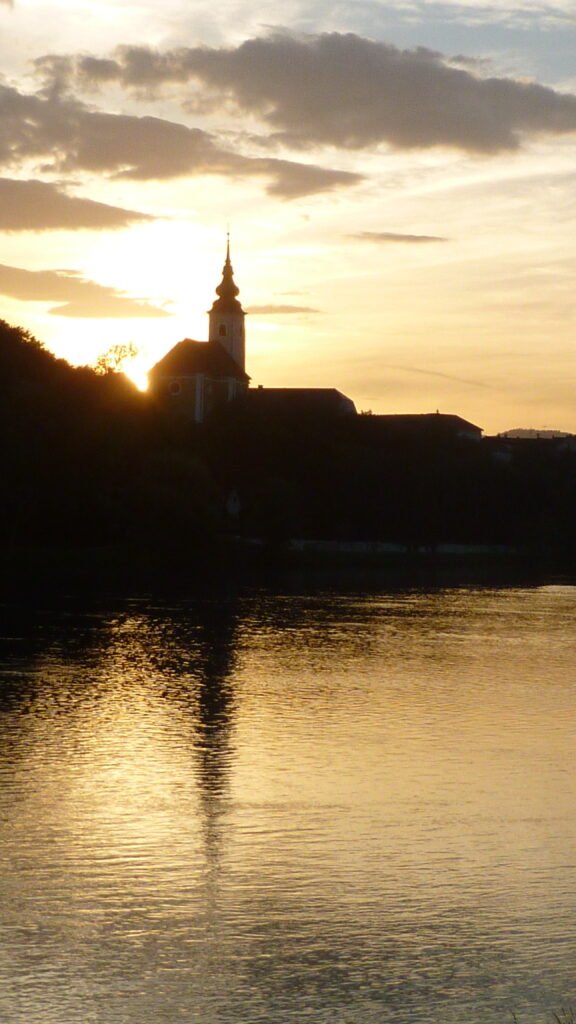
175	387
222	330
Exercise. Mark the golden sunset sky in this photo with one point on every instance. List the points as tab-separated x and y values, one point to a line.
398	179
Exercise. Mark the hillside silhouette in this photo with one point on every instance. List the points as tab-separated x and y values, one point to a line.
85	458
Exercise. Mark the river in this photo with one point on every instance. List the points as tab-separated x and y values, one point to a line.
289	805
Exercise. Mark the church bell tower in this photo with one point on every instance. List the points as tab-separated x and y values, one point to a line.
226	318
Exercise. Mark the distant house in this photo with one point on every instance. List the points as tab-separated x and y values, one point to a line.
197	377
433	425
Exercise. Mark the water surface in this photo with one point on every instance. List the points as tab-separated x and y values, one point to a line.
259	806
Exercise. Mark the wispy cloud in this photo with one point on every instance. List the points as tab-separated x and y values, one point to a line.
382	237
522	14
280	310
437	373
338	90
78	297
39	206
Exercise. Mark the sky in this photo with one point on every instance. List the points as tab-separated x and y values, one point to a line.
398	179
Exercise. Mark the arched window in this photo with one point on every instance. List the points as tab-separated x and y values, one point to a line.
222	330
175	387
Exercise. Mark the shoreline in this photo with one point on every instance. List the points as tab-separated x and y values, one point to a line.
255	561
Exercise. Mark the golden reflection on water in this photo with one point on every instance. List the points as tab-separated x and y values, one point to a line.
283	808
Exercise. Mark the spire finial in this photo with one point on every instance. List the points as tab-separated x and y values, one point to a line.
227	264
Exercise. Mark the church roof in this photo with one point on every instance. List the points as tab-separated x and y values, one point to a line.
300	401
189	358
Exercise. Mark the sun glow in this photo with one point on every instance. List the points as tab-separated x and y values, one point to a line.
136	371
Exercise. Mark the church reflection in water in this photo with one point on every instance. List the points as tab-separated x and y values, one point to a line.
214	721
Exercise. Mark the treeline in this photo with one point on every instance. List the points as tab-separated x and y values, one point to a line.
88	460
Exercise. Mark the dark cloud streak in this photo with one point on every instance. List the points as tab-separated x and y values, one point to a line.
40	206
382	237
344	91
68	137
78	297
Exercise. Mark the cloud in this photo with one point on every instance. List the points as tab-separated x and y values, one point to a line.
281	310
39	206
436	373
78	296
520	14
289	180
393	236
344	91
65	136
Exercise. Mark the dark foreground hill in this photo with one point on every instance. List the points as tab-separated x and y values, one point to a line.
85	458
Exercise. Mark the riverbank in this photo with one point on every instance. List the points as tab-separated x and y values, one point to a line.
141	566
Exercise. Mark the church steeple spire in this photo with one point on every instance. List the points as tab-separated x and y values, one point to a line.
226	318
227	290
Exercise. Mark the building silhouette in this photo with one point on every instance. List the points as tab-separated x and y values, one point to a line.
195	378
